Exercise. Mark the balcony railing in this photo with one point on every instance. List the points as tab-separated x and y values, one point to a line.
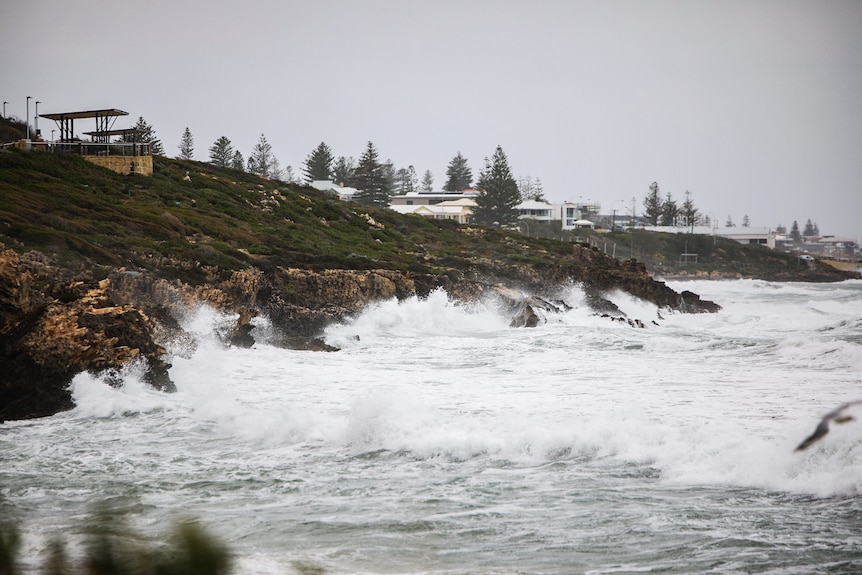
84	148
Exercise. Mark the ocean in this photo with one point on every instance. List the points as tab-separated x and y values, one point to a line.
441	441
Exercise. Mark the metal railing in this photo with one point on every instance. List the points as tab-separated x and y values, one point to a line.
84	148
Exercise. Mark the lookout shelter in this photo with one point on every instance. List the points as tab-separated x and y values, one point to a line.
122	156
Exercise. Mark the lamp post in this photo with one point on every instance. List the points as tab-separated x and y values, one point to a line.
28	117
714	227
4	108
614	214
36	118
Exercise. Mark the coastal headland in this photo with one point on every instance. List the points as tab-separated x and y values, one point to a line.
96	267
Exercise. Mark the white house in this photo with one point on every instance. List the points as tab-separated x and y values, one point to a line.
460	210
743	235
570	214
429	198
459	206
536	210
344	192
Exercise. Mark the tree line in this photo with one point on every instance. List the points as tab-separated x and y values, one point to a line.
811	230
375	180
664	211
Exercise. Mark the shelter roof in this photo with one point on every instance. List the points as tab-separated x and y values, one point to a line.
85	114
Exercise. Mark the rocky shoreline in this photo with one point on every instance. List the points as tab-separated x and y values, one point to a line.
57	323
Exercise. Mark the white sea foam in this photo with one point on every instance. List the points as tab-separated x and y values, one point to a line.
432	378
433	409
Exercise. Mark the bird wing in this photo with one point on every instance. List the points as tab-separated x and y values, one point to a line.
823	427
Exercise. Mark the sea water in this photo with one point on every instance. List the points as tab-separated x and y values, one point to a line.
441	441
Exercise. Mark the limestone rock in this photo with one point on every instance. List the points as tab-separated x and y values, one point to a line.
49	333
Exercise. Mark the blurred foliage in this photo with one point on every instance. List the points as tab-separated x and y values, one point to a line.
114	550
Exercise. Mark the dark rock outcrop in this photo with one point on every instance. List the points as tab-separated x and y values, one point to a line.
55	325
523	308
52	329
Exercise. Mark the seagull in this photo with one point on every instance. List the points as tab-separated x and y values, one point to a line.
837	415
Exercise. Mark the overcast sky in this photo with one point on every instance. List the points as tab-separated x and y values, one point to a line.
754	107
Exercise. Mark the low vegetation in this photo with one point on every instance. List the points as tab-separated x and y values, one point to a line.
685	255
189	216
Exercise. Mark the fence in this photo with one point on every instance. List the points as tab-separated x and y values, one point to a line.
82	148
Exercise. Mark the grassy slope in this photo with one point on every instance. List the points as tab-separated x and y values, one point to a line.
190	215
661	253
92	217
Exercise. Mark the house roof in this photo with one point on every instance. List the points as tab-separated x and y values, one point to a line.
324	185
404	209
85	114
440	209
466	202
534	205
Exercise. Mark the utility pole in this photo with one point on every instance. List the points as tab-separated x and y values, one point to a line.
27	121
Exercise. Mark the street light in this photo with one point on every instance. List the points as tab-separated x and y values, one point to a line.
614	214
36	119
28	117
4	108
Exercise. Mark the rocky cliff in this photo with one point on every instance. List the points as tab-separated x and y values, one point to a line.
97	268
56	324
53	328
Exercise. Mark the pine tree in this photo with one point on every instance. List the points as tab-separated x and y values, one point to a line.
343	172
669	211
371	179
538	190
745	221
428	182
653	205
412	179
688	211
390	178
318	164
780	229
809	231
187	145
406	181
147	135
275	171
237	162
459	174
531	189
729	223
794	232
498	193
221	153
261	160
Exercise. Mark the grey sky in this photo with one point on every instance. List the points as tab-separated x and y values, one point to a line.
753	106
